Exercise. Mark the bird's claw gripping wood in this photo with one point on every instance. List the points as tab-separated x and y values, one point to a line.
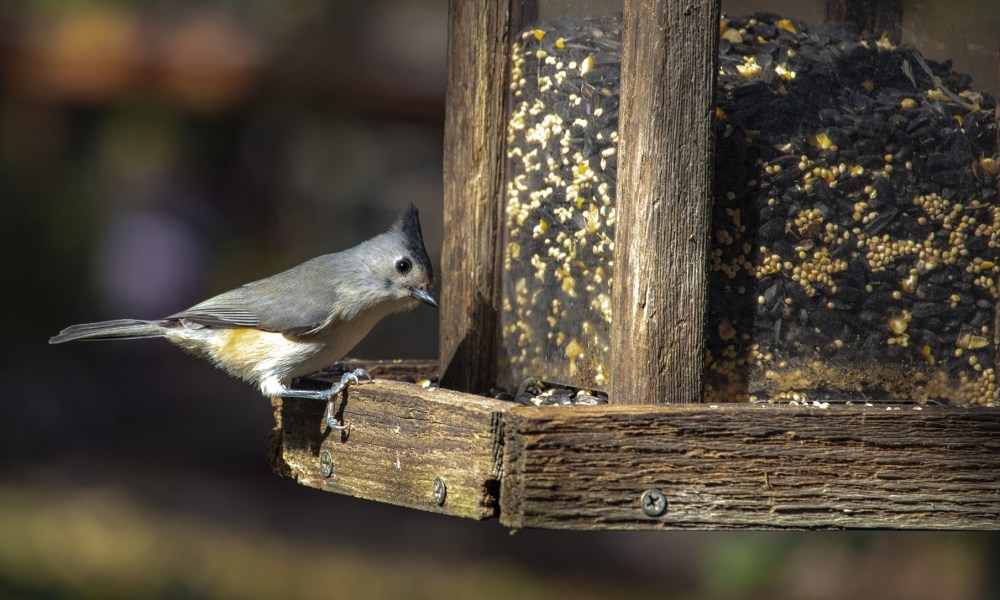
329	394
351	377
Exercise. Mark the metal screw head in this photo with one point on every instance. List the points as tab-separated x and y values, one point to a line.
440	490
654	503
326	463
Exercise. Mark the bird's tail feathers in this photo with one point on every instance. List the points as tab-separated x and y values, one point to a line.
121	329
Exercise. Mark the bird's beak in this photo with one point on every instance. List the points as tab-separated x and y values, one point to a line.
425	296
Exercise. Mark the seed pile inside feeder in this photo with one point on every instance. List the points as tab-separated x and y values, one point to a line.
562	139
855	225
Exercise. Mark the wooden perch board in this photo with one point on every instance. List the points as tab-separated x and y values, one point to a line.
752	466
731	466
402	438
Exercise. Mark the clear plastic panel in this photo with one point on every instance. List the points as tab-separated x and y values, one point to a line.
855	226
562	138
856	222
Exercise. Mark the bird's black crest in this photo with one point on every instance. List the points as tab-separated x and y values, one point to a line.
408	224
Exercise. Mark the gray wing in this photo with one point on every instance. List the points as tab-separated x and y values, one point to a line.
294	302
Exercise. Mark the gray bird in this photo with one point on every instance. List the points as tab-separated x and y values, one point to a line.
299	321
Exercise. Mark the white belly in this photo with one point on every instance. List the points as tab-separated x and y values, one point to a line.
271	360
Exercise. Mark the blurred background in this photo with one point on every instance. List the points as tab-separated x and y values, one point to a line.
156	152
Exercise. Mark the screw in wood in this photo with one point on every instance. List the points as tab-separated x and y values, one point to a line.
440	490
654	503
326	463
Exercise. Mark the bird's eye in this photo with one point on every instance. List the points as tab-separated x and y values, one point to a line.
403	266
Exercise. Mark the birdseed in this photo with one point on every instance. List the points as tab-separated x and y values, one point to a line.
855	225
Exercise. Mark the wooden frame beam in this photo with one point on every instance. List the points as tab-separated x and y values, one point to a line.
403	439
752	466
729	466
664	200
478	55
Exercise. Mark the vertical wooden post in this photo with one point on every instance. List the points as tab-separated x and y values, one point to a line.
664	196
478	56
876	16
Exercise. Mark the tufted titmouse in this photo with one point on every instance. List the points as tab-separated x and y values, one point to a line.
298	321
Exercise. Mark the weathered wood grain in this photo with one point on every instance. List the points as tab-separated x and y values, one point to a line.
401	438
750	466
392	368
876	16
669	55
478	55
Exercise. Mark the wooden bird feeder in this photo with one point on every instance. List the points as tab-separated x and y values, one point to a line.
768	245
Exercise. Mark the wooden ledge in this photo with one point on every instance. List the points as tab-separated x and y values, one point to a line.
402	438
729	466
752	466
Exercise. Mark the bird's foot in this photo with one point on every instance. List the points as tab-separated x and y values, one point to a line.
355	376
348	378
